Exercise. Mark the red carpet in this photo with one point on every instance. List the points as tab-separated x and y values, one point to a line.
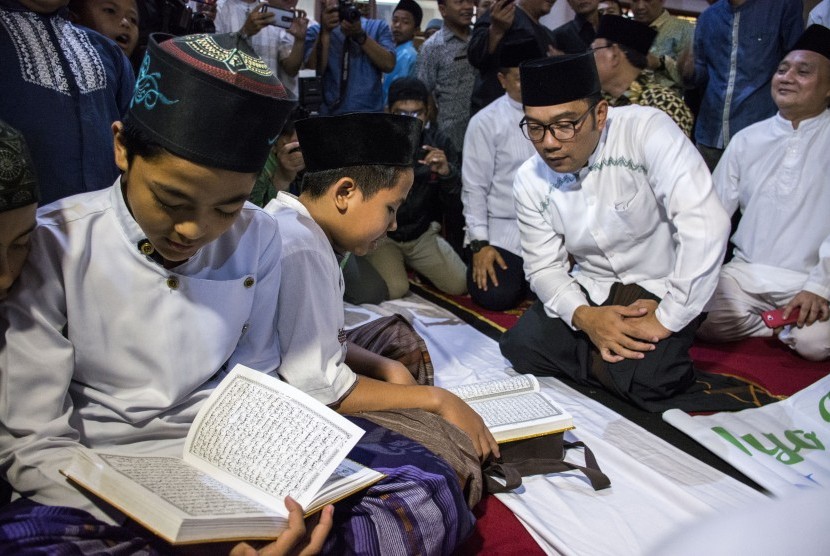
498	533
765	362
762	361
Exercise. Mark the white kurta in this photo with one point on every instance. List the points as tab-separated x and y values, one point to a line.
642	211
778	176
104	348
494	148
312	319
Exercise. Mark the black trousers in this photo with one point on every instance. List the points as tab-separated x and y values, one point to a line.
545	346
512	288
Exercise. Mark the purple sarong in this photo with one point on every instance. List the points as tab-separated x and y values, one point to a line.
417	509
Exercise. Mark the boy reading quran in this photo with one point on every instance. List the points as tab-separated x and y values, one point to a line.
138	299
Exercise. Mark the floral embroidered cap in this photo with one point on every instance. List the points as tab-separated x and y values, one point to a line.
559	79
815	38
210	100
627	32
18	183
360	139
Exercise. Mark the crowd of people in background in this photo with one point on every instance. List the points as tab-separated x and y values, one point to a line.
589	171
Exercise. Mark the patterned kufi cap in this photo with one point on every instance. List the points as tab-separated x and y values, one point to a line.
209	99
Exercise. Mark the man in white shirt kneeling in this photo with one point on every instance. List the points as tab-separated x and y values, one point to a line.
626	195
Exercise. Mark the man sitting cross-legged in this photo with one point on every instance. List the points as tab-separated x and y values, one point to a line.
776	172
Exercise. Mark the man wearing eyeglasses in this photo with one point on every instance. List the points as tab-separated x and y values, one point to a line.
627	196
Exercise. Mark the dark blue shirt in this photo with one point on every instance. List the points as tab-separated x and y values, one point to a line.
62	86
363	91
736	53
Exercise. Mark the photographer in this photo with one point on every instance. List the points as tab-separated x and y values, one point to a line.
281	48
350	53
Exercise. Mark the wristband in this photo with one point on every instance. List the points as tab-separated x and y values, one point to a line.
361	38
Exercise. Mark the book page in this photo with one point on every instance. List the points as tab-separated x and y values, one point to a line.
267	439
513	385
183	486
498	412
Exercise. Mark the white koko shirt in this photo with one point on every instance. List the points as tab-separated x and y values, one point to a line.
642	211
105	348
312	318
780	179
494	148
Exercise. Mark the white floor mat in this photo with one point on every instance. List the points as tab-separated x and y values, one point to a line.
656	489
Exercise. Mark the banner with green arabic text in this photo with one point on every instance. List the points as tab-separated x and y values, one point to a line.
781	446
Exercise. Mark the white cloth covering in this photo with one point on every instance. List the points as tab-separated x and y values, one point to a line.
105	348
642	211
494	148
777	176
656	490
311	310
272	43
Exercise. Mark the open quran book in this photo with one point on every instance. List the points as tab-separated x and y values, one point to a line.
255	440
514	408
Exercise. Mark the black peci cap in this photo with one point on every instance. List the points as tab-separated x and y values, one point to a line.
559	79
627	32
359	139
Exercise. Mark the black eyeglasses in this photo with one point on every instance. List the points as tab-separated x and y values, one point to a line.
562	130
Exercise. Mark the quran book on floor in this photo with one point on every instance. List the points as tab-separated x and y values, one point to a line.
254	441
515	407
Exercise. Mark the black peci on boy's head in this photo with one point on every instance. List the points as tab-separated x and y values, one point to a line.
373	149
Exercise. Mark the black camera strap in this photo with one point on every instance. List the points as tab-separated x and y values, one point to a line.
345	67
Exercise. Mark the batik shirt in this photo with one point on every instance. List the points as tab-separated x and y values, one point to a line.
445	70
645	92
673	36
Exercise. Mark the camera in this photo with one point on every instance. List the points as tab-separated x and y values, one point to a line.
179	19
310	94
347	11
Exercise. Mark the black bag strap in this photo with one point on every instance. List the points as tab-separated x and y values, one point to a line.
512	472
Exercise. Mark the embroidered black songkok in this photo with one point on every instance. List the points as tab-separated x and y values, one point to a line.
210	100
